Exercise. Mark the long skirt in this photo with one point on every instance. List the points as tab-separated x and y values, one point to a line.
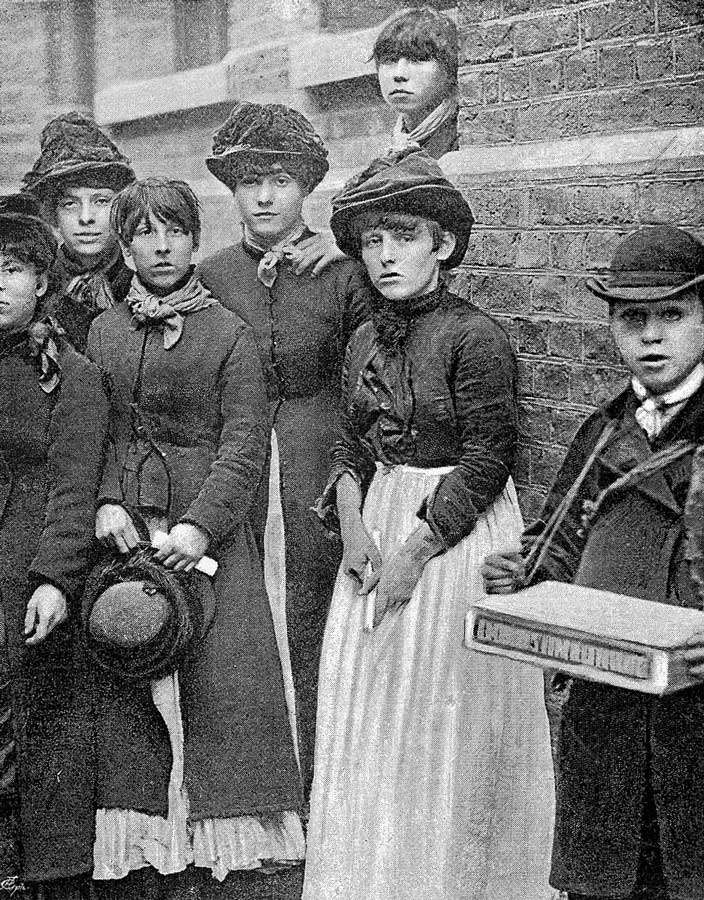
433	776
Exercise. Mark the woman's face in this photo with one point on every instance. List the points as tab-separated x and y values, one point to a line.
413	88
401	261
161	252
20	289
83	219
270	205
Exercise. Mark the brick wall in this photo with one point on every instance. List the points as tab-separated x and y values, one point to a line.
547	71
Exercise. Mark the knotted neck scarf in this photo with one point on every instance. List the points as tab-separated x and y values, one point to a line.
168	312
267	268
655	412
92	287
416	137
40	340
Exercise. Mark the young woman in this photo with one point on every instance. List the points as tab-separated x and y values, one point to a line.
189	440
53	420
433	772
271	158
76	176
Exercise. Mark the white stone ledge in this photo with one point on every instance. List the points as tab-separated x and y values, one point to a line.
642	150
326	58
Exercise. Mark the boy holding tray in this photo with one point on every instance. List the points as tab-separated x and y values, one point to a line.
630	767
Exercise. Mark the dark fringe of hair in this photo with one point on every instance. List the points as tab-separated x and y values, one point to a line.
166	199
393	221
97	179
305	171
29	244
419	35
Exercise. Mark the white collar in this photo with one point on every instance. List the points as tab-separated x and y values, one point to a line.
683	391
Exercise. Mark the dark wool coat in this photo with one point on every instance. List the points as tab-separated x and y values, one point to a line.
203	404
301	326
612	741
51	449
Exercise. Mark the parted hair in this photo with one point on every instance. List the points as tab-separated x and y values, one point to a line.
419	35
166	199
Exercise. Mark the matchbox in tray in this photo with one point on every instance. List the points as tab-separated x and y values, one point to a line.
588	633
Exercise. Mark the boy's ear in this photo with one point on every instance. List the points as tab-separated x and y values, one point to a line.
42	285
447	245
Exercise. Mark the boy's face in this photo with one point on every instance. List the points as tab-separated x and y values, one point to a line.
83	219
660	342
161	252
270	205
413	88
20	288
401	262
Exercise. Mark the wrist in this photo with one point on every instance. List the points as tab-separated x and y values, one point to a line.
423	544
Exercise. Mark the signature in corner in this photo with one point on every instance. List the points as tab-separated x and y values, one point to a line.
12	885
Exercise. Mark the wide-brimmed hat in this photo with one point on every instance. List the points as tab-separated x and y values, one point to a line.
23	211
258	134
73	144
139	619
407	182
653	263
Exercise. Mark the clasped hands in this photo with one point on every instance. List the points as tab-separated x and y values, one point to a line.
394	579
183	548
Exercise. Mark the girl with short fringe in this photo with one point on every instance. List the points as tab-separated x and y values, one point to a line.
197	777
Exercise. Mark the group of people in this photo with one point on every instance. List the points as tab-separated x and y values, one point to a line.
183	447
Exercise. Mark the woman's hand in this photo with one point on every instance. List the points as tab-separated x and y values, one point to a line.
314	253
359	555
115	528
403	571
504	572
184	546
46	609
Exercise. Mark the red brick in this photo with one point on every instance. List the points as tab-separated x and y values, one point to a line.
471	11
566	250
487	43
595	384
525	377
547	204
501	293
471	89
532	337
689	52
516	7
679	13
565	340
654	60
545	33
548	293
673	202
599	248
678	103
494	205
551	381
581	303
581	70
616	66
487	126
475	249
566	422
521	468
533	252
599	345
535	423
616	111
544	121
511	327
491	87
622	18
544	465
500	248
515	82
601	204
546	76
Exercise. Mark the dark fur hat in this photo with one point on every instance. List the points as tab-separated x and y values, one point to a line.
73	145
261	135
24	231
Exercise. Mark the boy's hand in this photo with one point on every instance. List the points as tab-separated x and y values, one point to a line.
115	528
504	572
46	609
184	546
314	253
694	655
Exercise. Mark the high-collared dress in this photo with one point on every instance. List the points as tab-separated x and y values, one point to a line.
433	773
628	764
86	291
301	326
51	449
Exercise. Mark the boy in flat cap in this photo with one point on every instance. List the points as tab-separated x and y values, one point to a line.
76	176
630	767
271	159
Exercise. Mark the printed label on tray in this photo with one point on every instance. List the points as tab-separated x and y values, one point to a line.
537	642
